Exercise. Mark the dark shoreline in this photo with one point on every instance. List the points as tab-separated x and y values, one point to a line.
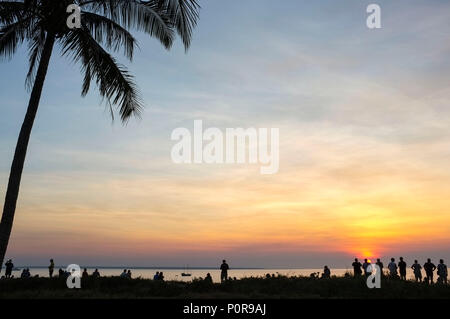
280	287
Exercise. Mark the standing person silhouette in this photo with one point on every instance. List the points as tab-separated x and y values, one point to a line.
96	273
224	271
442	272
51	268
429	268
365	266
356	268
417	268
85	274
380	265
393	268
9	267
402	269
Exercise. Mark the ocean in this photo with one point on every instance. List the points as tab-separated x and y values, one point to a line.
175	273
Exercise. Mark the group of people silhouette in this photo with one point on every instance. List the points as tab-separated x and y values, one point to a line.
96	274
126	274
159	276
9	266
395	271
398	270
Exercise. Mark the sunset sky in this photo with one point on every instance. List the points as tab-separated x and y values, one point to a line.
364	123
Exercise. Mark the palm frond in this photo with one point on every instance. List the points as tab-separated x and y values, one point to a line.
12	35
111	34
113	80
183	15
106	26
133	14
11	11
35	47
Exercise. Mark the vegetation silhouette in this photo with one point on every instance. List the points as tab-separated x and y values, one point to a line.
272	287
105	27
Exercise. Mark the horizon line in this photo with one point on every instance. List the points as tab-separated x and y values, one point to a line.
171	268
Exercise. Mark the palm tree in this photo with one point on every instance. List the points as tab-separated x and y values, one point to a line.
105	26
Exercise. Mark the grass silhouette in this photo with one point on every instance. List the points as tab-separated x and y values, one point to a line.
252	287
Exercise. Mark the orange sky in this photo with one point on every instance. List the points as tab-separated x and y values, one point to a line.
367	201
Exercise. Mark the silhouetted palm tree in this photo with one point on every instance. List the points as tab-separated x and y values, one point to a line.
105	25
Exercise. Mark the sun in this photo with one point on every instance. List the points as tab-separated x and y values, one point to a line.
368	253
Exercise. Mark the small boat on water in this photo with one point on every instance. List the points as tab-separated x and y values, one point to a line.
186	273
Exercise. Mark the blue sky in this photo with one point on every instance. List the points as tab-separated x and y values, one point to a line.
364	128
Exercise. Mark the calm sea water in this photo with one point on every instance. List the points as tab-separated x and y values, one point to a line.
175	274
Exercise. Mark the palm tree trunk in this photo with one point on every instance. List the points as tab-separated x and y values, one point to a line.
15	174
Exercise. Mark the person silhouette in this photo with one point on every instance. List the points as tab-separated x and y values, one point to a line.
208	278
9	267
129	274
429	267
25	273
96	273
393	268
417	268
224	271
356	268
156	276
51	268
365	266
124	274
85	274
442	272
326	272
402	269
161	276
380	265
